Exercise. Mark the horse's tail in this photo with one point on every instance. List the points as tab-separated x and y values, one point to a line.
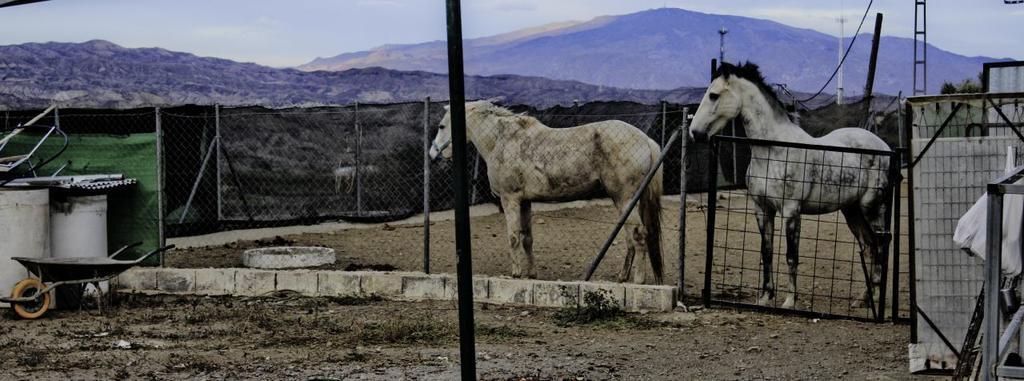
650	215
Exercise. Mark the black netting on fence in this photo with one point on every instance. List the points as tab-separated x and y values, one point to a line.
226	168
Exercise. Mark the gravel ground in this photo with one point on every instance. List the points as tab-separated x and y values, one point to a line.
289	337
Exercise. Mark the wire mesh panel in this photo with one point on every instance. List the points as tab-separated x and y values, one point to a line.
189	169
816	207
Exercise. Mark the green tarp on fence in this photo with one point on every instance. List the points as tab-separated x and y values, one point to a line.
133	214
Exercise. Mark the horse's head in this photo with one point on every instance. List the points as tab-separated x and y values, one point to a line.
442	145
721	103
477	114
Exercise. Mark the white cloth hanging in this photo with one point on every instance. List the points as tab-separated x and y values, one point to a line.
971	230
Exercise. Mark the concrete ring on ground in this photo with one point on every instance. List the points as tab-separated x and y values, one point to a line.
288	257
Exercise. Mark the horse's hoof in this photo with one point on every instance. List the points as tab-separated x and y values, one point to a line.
764	301
857	304
789	303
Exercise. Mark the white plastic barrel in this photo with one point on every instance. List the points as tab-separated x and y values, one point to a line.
24	231
78	228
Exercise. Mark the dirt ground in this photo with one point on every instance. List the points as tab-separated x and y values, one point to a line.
288	337
567	240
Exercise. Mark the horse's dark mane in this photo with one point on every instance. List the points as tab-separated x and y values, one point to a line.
752	73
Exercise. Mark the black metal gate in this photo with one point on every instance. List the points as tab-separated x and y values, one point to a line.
831	276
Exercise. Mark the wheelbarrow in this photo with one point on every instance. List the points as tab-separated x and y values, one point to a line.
30	298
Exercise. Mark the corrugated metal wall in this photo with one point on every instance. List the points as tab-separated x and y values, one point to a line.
1006	79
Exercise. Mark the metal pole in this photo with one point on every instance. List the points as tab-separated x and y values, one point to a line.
476	177
199	179
238	183
993	270
682	204
896	209
632	204
710	228
924	47
426	185
575	112
463	248
359	154
56	117
899	121
216	127
663	114
721	44
159	182
885	247
908	117
735	155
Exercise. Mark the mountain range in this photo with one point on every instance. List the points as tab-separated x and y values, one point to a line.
669	48
644	57
100	74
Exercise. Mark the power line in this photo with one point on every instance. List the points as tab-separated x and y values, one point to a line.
848	48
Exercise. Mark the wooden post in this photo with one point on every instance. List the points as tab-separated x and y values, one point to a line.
872	63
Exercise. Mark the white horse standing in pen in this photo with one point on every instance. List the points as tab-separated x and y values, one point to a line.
528	161
794	181
345	176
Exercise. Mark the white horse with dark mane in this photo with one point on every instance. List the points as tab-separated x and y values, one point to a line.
528	161
795	181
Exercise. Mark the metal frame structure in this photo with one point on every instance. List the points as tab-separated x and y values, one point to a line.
994	351
877	312
990	102
920	51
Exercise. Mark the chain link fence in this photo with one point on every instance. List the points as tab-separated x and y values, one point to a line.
226	168
235	167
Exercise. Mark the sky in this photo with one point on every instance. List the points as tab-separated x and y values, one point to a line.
289	33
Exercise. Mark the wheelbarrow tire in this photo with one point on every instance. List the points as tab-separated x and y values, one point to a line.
34	309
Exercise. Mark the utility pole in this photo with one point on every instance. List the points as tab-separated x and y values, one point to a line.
721	44
839	58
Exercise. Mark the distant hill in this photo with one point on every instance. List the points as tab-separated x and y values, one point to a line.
670	48
102	74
